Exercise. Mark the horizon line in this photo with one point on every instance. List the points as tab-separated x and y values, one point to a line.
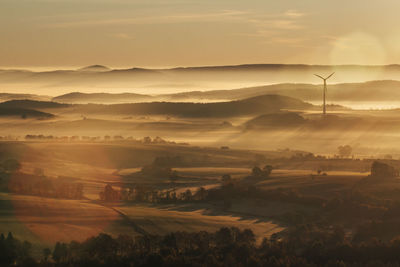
77	68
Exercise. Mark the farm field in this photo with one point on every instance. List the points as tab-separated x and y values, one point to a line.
165	219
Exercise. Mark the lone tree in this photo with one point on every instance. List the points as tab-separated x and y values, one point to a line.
226	179
383	170
267	170
345	151
256	171
264	172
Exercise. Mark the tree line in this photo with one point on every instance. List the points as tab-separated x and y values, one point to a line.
229	246
146	194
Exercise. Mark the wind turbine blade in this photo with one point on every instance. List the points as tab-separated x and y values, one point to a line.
330	75
319	76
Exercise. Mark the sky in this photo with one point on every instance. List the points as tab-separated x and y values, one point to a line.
161	33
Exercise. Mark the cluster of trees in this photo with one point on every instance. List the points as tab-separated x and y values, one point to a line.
14	252
353	206
345	151
264	172
9	138
145	140
159	171
145	194
38	137
40	185
232	189
161	167
109	194
51	137
323	163
301	156
383	170
158	140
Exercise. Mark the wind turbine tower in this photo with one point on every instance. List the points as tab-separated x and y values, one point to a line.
324	79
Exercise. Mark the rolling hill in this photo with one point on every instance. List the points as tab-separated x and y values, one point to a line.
385	90
85	98
23	113
250	106
32	104
377	91
13	96
29	108
95	68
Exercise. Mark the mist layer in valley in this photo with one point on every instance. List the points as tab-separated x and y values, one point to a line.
97	79
261	122
358	87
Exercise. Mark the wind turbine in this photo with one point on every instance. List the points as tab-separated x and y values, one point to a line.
324	79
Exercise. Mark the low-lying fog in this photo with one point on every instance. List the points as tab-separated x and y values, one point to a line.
364	105
368	133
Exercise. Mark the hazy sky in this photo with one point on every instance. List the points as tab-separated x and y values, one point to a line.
125	33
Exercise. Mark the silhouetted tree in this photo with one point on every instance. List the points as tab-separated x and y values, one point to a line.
267	170
345	151
46	253
256	171
201	193
380	169
226	179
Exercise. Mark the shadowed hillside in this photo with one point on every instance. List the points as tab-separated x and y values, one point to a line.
276	120
368	91
83	98
23	113
32	104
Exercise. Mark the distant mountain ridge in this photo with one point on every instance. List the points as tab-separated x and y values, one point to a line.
251	67
147	80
